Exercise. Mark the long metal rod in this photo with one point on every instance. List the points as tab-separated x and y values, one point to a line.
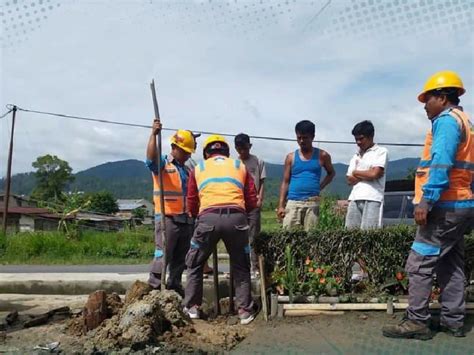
9	175
164	241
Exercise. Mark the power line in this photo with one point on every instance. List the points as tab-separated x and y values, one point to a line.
281	139
316	15
6	113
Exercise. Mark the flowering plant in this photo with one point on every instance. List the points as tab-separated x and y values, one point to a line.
320	280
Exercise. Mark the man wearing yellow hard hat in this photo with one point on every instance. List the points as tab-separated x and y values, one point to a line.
179	226
444	212
220	194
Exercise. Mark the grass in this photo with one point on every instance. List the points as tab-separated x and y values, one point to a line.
55	248
131	247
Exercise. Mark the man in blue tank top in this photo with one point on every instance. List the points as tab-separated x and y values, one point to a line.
299	192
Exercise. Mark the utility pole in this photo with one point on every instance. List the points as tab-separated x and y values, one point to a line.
9	173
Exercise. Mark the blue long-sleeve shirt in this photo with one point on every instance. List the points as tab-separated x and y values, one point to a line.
446	134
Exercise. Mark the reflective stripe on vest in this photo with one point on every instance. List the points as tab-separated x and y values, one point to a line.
220	182
460	175
173	192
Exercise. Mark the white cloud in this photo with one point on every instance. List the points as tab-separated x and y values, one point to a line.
225	67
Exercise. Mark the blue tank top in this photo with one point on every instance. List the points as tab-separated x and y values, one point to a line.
305	177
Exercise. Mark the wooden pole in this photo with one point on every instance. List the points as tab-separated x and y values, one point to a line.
231	289
263	287
355	306
215	276
310	312
164	242
9	175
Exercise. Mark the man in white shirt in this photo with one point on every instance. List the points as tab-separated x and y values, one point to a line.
366	175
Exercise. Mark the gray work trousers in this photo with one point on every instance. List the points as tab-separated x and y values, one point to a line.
363	214
439	248
255	226
231	226
178	236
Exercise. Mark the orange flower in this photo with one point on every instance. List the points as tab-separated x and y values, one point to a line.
319	271
310	269
322	281
307	261
399	275
338	279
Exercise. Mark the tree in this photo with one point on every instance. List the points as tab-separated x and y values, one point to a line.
103	202
139	213
52	176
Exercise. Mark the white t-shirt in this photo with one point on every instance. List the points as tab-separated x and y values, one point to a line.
375	156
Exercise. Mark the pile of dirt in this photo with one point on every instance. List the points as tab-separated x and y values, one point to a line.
149	320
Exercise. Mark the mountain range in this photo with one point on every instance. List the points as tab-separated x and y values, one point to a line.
131	179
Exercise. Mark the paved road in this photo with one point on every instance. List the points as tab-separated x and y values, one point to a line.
118	269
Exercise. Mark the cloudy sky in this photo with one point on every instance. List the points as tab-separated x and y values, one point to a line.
223	66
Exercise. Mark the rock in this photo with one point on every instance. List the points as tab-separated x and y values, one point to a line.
114	304
95	310
136	292
38	320
233	321
11	317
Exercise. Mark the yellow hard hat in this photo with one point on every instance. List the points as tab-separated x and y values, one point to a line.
213	139
442	79
185	140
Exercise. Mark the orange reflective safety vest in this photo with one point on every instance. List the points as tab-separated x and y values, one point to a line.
173	191
460	175
220	181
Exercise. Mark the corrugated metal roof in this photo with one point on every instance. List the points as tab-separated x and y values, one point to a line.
25	210
131	204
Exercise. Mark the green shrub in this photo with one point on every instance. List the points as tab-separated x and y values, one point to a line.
384	251
330	217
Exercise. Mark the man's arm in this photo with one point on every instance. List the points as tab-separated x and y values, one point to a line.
351	180
151	153
369	175
263	175
284	186
192	197
261	193
327	165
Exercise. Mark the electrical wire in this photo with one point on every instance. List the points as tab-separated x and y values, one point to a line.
90	119
6	113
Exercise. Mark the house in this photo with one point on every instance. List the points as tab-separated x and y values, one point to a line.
101	222
17	201
24	216
29	219
126	207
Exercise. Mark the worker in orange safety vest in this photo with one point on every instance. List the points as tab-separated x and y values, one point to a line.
444	212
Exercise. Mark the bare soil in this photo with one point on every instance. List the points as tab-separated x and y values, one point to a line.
352	332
